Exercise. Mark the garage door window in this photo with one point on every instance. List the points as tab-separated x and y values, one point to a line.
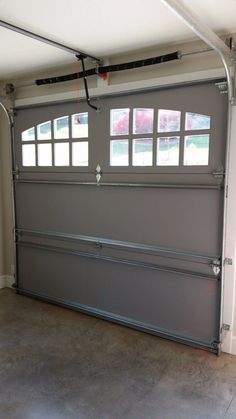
28	135
61	154
168	120
196	147
60	142
168	151
61	128
45	154
119	121
119	152
140	147
28	155
139	137
80	125
143	121
80	153
44	131
196	150
195	121
142	152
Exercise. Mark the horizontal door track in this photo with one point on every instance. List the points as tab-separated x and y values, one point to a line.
45	40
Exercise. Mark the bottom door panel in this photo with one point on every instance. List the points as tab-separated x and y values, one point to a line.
181	307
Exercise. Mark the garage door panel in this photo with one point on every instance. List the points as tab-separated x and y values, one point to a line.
202	99
159	218
181	304
137	254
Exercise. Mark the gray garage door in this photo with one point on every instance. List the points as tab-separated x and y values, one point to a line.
119	212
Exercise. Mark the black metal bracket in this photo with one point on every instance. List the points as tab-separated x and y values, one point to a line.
81	58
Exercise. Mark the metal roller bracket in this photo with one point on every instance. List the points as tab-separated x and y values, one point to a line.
216	266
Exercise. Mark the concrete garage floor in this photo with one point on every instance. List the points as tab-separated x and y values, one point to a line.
59	364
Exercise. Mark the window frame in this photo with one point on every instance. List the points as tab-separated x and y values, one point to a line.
53	141
181	134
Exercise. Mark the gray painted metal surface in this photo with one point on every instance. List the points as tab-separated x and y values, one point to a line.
112	279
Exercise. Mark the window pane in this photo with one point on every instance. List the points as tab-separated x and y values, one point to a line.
168	120
143	121
80	125
142	152
44	155
44	131
168	151
196	150
119	124
197	121
61	154
80	154
28	155
28	135
119	153
61	127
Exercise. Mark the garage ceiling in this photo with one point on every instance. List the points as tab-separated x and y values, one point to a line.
102	28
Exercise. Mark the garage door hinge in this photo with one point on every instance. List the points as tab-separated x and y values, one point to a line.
218	173
215	265
228	261
217	346
226	327
98	173
16	172
222	86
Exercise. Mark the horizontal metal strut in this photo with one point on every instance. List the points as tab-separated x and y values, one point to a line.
122	184
116	260
55	235
45	40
